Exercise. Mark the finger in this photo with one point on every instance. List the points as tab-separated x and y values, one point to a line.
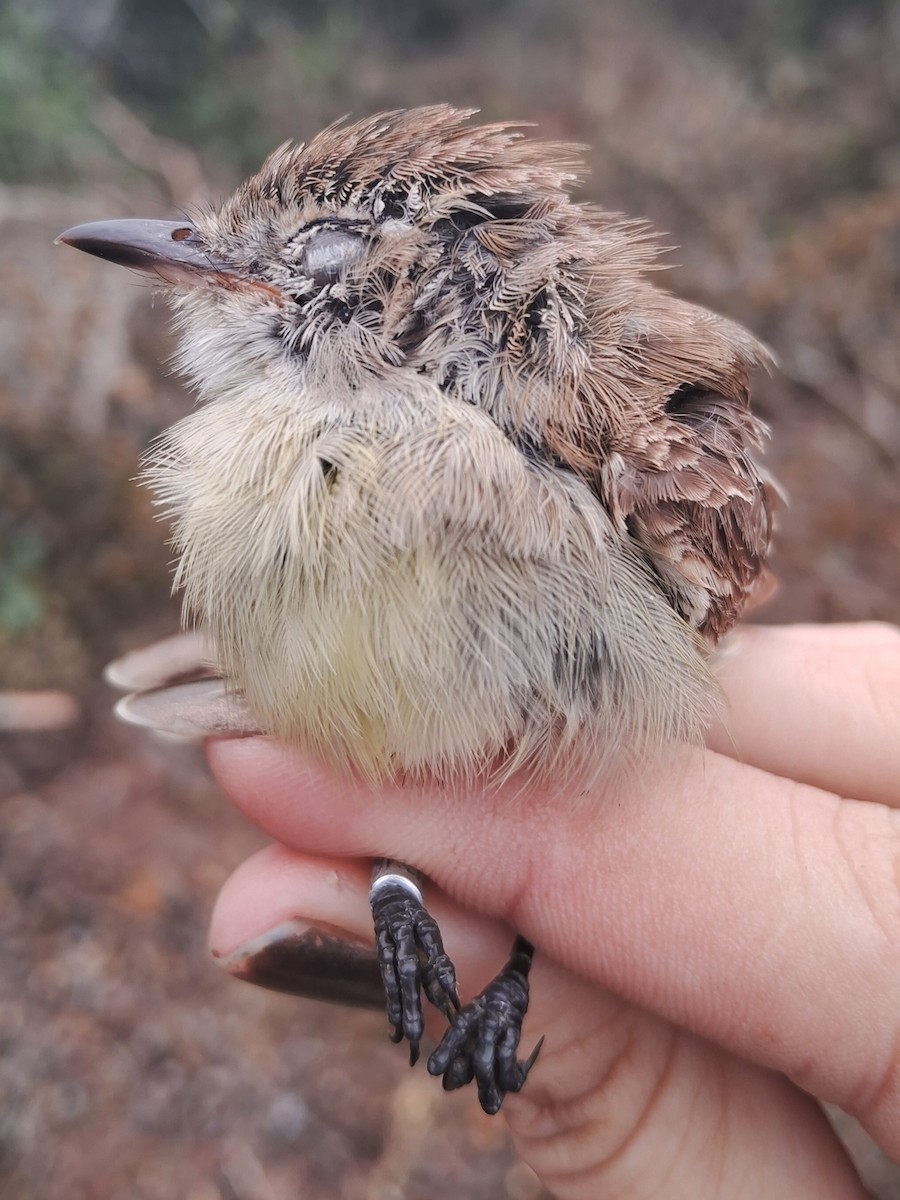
262	908
819	704
618	1103
760	914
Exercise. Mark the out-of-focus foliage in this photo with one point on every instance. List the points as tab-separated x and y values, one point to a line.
45	127
21	601
766	29
229	75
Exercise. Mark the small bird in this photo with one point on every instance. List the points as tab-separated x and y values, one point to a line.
467	494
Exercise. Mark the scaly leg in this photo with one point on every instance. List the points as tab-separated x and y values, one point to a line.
410	952
483	1036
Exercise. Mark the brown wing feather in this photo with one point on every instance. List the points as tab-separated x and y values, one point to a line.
705	522
659	420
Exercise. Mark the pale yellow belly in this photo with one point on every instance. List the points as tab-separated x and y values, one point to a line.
408	593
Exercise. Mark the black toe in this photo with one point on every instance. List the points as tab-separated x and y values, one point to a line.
412	960
483	1037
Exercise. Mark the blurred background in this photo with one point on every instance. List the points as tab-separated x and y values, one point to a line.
762	141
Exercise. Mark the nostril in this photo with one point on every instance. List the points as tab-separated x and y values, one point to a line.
181	235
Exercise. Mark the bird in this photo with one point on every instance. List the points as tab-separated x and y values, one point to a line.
467	494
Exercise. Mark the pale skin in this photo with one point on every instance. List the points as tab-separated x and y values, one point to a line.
718	941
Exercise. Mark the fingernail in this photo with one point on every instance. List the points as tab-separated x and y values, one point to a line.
190	710
170	660
315	961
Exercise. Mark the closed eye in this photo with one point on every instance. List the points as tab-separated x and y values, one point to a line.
329	252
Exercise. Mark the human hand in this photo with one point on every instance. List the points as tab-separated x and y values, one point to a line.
718	940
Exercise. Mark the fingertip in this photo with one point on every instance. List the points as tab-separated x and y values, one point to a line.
292	796
277	886
237	761
829	708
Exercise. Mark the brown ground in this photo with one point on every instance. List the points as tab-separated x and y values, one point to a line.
131	1068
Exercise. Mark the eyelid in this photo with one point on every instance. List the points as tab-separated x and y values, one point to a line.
329	251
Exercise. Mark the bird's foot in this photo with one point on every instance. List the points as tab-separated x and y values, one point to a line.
411	957
483	1036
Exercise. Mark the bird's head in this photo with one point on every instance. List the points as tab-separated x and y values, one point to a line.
409	240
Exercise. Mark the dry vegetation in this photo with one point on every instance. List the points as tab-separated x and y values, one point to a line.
130	1068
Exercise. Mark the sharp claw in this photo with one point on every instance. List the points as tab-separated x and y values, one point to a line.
531	1059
